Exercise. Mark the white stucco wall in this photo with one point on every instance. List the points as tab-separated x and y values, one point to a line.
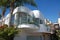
31	26
21	36
7	19
37	14
59	21
43	28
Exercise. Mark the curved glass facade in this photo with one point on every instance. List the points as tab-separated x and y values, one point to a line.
36	21
24	18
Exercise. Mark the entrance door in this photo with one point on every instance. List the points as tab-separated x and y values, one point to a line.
34	37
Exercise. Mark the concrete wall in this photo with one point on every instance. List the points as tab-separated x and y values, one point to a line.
7	19
21	36
59	21
34	36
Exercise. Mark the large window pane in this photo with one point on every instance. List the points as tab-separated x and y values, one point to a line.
12	20
41	21
36	21
23	18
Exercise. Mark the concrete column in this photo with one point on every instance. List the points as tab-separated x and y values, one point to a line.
16	19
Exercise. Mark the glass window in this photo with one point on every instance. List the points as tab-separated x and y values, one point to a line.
36	21
48	28
41	22
43	36
12	20
34	37
23	18
29	18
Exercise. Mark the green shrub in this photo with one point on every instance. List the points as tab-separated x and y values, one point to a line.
8	33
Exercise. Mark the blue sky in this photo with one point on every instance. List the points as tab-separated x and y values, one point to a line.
49	8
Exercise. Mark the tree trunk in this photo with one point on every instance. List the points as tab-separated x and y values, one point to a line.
11	11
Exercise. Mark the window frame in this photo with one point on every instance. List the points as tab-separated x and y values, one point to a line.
40	21
20	19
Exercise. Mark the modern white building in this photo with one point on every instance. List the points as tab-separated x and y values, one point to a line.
31	22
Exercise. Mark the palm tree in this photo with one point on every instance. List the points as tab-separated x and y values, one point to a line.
15	3
3	6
